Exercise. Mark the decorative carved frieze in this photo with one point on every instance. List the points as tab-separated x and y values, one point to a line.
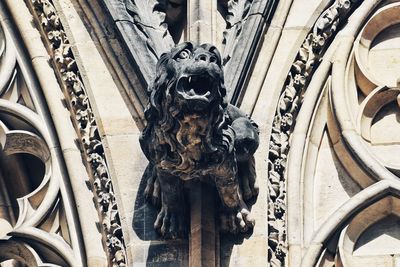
299	76
86	127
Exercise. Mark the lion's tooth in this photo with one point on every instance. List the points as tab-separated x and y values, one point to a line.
192	91
207	94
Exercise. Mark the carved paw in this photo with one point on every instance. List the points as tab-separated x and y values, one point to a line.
152	192
235	222
170	224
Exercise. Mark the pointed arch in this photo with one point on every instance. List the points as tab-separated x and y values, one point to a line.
338	220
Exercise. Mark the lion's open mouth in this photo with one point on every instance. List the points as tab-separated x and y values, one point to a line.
196	87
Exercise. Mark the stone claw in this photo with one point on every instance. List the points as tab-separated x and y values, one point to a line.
237	221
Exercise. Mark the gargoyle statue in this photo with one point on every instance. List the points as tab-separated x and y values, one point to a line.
193	133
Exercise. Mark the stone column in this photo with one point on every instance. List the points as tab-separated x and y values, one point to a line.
204	236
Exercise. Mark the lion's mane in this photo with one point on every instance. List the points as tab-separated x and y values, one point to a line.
163	115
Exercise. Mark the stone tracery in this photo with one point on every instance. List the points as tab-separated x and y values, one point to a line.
301	72
340	111
37	227
86	128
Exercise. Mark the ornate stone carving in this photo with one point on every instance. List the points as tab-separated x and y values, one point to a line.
41	205
86	126
193	133
150	19
305	64
238	11
246	24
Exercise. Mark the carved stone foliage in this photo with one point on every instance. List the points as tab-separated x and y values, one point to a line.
194	134
36	226
149	17
144	30
86	127
246	22
306	62
150	28
238	12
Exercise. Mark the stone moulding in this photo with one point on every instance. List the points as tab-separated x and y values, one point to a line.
298	78
85	124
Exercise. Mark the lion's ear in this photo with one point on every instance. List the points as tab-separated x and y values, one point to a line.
161	69
164	57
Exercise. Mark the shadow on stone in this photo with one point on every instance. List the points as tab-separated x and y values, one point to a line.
172	252
144	216
227	241
169	254
159	252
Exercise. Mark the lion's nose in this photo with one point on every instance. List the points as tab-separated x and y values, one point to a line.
206	57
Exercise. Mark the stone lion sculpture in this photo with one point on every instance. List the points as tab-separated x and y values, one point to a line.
193	133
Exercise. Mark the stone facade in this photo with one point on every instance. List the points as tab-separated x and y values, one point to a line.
319	77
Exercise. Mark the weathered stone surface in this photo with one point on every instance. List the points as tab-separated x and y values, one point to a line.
329	193
247	21
192	133
142	27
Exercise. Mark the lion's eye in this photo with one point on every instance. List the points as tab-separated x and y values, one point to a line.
184	54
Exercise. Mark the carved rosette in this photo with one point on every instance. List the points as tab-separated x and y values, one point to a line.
85	124
299	76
